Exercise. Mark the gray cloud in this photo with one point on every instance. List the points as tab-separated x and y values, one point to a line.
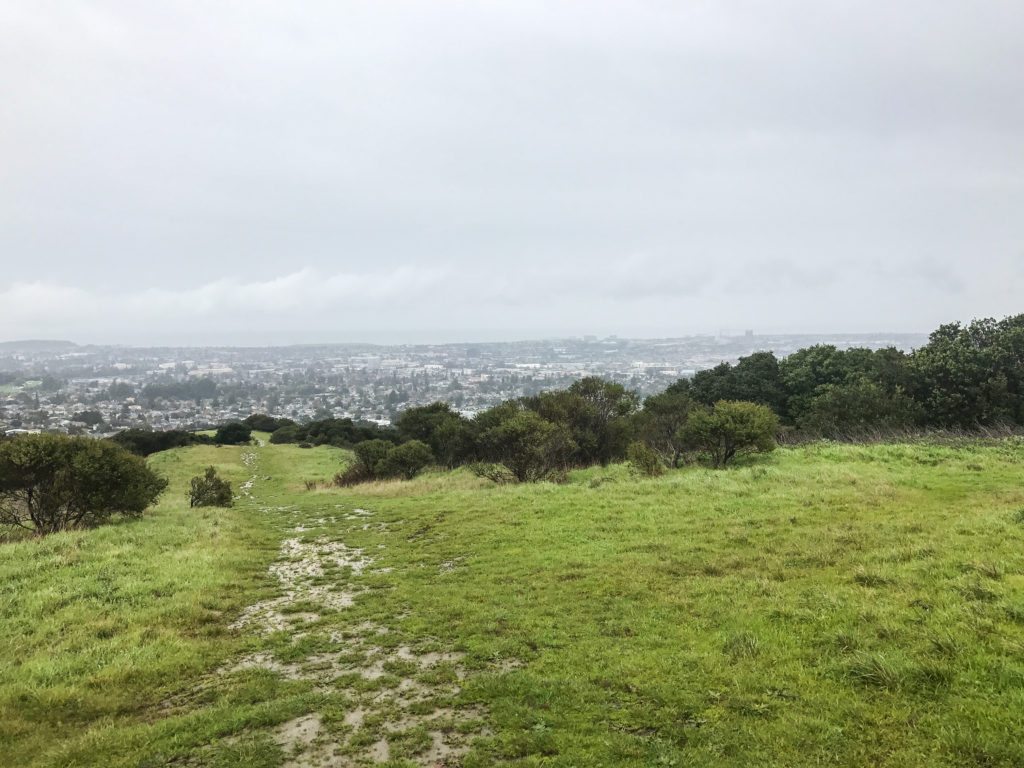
519	168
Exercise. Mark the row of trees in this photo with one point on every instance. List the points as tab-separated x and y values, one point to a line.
592	422
343	433
965	377
144	442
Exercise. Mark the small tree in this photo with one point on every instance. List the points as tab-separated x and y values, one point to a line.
662	419
370	454
210	490
729	428
444	431
405	460
53	483
233	433
530	446
644	460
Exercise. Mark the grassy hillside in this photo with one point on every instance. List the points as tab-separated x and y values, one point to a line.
825	605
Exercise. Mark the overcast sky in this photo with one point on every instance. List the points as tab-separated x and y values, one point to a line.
261	172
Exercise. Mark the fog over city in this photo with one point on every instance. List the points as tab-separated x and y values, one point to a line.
267	173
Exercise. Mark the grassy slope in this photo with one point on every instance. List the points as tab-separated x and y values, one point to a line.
99	627
828	605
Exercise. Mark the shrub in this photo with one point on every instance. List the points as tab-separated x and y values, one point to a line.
144	442
405	460
644	460
376	459
496	473
53	483
352	475
233	433
262	422
369	455
531	447
210	490
661	421
445	431
289	433
731	428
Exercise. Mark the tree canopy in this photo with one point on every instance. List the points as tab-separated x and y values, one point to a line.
51	483
731	427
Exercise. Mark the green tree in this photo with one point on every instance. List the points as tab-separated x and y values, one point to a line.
89	418
233	433
52	483
972	375
530	446
144	442
289	433
755	378
446	432
846	410
406	460
369	455
644	460
597	415
210	490
661	421
729	428
262	422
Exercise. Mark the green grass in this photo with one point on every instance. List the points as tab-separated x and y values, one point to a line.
824	605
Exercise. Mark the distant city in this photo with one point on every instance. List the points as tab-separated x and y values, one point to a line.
59	386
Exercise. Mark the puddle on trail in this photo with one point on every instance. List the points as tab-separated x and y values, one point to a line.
410	690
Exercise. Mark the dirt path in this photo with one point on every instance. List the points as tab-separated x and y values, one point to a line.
399	700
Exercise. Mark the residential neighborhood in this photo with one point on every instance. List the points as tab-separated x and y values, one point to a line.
58	386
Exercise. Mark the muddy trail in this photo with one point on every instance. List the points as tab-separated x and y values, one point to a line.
388	700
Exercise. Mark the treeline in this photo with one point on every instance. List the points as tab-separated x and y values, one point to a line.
544	436
342	433
144	442
966	377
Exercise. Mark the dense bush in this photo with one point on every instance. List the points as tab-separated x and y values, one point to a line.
233	433
662	418
447	433
52	483
729	428
496	473
261	422
530	446
858	407
965	377
595	415
380	459
644	460
342	433
210	490
144	442
406	460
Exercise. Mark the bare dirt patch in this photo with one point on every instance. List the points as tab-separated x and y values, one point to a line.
403	691
301	565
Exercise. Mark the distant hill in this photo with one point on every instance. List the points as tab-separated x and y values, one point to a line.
36	345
